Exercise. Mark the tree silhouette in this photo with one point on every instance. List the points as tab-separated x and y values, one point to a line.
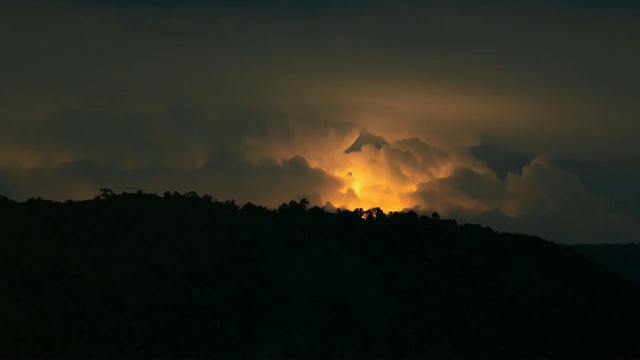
192	194
106	193
304	203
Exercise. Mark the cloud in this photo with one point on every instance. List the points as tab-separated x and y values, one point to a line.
501	160
543	199
271	182
232	150
235	152
464	188
552	195
366	138
234	100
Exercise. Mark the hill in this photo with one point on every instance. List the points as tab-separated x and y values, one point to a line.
183	275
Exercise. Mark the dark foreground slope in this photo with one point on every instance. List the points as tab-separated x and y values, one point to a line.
139	274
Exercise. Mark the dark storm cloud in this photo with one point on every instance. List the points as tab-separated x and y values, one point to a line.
464	186
501	160
271	181
115	135
427	156
614	179
366	138
543	199
102	133
180	148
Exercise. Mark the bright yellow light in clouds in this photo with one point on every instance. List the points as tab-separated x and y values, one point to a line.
365	189
387	175
379	172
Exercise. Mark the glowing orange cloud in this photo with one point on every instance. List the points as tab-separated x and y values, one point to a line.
375	180
376	177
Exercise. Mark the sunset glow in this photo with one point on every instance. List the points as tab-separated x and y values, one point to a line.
509	118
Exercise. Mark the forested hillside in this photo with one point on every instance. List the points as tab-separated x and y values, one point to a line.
141	274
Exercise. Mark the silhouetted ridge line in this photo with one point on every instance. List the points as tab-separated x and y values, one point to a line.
624	259
137	274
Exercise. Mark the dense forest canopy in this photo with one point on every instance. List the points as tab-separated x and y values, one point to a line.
182	274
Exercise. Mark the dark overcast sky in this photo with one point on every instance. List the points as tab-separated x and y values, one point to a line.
523	116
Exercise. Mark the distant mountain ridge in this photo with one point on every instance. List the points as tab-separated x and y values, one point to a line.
624	259
183	275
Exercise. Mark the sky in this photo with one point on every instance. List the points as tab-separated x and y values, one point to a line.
522	116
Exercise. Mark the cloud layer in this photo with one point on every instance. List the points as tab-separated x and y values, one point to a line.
519	117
